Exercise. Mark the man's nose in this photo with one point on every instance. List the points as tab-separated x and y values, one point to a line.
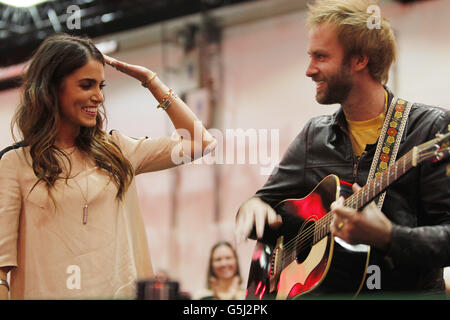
311	70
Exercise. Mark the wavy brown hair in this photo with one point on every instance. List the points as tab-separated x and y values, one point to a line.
38	115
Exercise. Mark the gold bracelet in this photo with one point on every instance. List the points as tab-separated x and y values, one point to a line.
145	84
165	102
4	283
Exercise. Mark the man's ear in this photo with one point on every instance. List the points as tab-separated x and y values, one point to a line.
359	62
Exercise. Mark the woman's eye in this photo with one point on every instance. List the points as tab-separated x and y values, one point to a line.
89	86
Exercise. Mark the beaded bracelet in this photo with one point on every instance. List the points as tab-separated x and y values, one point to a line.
165	102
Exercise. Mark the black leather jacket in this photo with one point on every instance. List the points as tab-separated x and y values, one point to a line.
418	203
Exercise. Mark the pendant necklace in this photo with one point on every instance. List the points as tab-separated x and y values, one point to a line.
85	207
70	152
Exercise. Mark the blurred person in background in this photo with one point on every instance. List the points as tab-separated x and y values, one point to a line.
223	279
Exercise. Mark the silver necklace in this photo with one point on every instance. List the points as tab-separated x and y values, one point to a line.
86	206
70	152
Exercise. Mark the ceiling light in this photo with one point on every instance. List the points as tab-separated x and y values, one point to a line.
22	3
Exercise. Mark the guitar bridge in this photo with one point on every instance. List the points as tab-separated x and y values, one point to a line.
275	264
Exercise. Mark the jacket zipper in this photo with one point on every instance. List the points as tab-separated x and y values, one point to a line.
355	168
356	161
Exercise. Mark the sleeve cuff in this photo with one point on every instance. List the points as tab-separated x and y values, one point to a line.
397	247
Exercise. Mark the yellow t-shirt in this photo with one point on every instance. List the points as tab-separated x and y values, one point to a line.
365	132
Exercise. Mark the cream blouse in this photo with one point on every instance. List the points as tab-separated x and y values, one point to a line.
55	255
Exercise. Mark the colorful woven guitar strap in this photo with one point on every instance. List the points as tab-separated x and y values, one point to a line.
389	140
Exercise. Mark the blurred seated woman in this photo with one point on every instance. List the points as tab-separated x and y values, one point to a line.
223	278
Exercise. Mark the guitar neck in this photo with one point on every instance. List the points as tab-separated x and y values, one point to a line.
381	182
366	194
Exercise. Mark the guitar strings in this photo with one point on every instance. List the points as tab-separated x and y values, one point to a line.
351	201
306	234
291	245
325	219
310	231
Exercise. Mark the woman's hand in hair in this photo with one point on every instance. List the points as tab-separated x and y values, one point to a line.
138	72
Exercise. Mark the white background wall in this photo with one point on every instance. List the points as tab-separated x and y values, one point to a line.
264	86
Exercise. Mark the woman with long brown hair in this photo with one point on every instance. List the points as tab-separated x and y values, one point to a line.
223	278
70	221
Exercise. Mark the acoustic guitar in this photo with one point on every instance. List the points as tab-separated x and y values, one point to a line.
312	262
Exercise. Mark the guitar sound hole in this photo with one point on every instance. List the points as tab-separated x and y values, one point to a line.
305	241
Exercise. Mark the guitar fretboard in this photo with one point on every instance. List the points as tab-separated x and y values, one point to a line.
367	193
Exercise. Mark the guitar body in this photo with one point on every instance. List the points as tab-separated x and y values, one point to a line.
304	264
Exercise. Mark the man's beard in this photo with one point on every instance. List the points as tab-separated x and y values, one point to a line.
338	86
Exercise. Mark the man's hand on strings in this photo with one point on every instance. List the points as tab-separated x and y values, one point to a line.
369	226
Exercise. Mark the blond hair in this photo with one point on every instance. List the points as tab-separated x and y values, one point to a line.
356	35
